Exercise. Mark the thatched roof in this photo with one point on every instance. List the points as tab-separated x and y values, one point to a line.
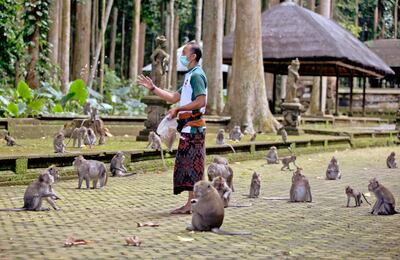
388	50
322	46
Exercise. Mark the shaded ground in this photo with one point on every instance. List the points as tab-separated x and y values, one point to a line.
322	229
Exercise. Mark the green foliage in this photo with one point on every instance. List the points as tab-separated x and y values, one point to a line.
24	90
77	91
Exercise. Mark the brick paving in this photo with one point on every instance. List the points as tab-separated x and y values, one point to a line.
322	229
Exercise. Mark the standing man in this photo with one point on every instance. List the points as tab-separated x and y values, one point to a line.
192	97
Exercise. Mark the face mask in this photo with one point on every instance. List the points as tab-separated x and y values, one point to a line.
184	60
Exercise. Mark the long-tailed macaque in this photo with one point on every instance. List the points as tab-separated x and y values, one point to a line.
90	170
385	203
300	190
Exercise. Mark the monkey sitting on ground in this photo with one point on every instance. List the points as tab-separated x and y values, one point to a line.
220	140
223	189
90	138
117	166
10	140
272	156
300	190
352	193
87	109
333	172
36	192
58	143
385	203
223	170
391	161
156	144
90	170
255	185
208	210
235	134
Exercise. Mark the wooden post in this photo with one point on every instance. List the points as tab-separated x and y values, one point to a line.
364	96
320	89
351	94
273	95
337	93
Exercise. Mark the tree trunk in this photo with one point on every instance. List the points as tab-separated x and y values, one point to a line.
249	105
33	53
65	44
314	98
81	59
142	42
113	38
54	18
376	19
60	29
395	17
272	3
94	30
174	58
123	46
103	49
230	21
212	47
170	40
133	64
311	5
100	43
199	14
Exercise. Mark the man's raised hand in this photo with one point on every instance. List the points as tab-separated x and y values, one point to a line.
145	81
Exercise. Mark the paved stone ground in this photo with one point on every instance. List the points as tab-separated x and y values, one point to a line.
322	229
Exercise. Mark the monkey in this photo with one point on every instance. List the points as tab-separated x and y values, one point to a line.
87	109
90	138
352	193
333	172
80	134
58	143
117	167
272	156
300	190
169	141
287	160
155	143
253	137
284	134
36	192
220	140
10	140
385	203
255	185
223	189
90	170
235	134
391	161
215	169
220	160
208	210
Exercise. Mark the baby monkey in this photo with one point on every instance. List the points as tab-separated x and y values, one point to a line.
220	140
391	161
235	134
117	166
10	140
255	185
352	193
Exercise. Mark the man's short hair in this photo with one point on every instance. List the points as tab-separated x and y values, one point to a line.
195	48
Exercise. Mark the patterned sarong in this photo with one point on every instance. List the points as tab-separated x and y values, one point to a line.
189	162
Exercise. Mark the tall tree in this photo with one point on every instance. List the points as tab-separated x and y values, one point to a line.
133	64
173	59
54	18
395	17
99	44
65	44
81	56
249	106
113	37
212	46
142	42
103	50
32	77
123	46
170	40
199	13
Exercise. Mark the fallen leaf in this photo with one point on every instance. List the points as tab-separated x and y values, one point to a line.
147	224
185	239
75	242
367	194
133	241
319	177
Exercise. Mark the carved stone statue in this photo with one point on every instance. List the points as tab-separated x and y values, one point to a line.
292	79
159	63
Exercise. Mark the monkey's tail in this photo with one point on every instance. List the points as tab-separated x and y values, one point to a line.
231	147
240	205
228	233
129	174
366	199
14	209
162	158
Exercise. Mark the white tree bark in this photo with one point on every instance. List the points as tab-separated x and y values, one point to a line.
199	11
